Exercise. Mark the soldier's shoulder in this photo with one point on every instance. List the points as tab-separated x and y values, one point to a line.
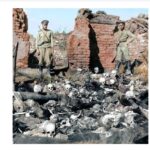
39	31
49	30
127	31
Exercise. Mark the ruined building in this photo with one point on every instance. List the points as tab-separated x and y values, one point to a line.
92	42
20	36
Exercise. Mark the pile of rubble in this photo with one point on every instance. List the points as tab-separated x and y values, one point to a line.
139	24
81	107
139	48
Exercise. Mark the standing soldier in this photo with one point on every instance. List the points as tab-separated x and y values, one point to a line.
123	38
44	43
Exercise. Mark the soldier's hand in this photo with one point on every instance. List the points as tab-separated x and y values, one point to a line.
117	42
38	53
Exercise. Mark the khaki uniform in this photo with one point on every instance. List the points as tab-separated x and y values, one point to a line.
122	38
44	43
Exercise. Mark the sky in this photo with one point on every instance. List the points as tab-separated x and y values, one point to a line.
63	19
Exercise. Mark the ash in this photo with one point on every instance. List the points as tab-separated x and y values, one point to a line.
81	107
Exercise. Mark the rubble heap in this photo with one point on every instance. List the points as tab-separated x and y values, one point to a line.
82	108
20	36
139	47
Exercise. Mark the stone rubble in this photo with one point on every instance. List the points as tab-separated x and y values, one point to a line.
87	107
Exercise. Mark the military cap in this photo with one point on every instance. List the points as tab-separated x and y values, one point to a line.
45	22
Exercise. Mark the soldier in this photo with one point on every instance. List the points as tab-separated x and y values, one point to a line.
44	43
123	38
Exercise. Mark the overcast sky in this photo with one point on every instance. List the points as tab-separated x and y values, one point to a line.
62	19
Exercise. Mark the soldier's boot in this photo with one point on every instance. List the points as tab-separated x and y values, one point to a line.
50	69
128	68
117	66
40	68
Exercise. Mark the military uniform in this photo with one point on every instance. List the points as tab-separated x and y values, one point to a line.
122	46
122	40
45	46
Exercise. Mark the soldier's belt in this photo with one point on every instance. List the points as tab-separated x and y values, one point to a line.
42	43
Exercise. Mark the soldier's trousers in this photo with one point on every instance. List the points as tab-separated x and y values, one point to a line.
46	56
122	53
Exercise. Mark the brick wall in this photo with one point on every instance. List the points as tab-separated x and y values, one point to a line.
78	45
92	42
105	43
91	45
20	35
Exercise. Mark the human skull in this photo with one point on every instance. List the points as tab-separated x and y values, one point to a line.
106	74
113	72
50	87
102	80
112	81
96	70
67	87
67	81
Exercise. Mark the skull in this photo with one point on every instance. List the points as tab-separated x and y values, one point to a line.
106	74
113	73
96	70
67	87
50	87
67	81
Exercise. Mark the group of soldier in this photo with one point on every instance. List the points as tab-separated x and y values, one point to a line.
45	47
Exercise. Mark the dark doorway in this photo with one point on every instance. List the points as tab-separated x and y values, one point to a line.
32	60
94	51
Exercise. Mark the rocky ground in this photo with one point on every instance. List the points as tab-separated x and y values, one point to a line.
81	107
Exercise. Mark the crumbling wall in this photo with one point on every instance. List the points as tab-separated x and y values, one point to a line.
105	43
20	35
78	44
92	42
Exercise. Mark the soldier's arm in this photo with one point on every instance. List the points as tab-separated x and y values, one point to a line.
52	40
116	39
37	40
131	37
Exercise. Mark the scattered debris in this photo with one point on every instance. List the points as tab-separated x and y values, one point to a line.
70	110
